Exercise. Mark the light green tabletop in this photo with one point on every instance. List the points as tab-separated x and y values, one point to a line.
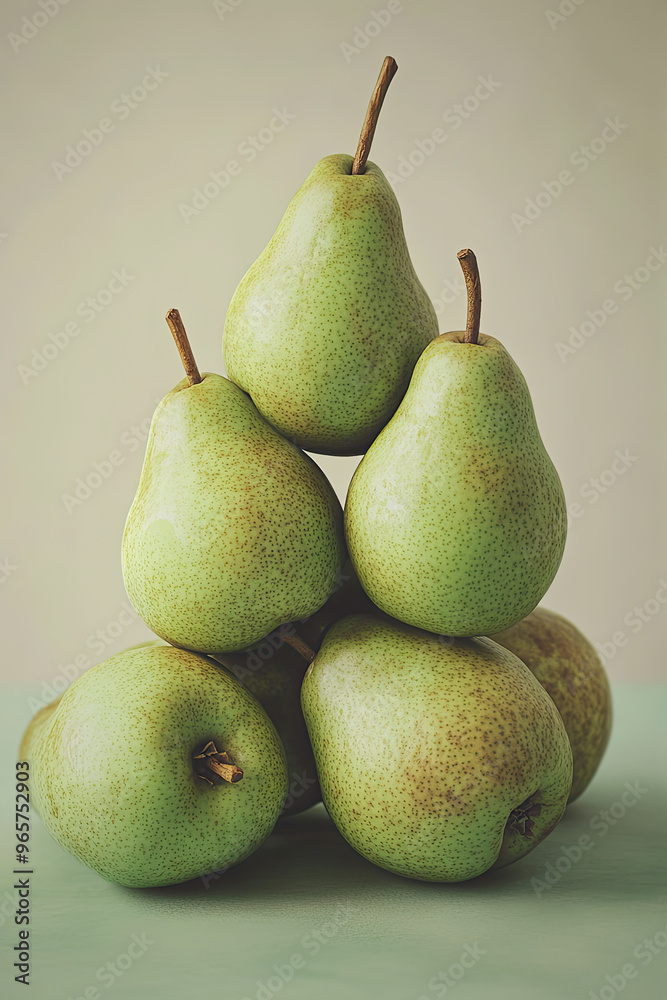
306	918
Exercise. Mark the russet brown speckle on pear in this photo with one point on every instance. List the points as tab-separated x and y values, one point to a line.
425	747
569	668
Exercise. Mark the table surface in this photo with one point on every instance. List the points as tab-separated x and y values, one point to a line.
306	917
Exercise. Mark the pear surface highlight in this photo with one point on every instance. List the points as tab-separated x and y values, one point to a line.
325	328
437	760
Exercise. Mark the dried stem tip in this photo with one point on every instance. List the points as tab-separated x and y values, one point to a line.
468	263
387	73
175	324
219	763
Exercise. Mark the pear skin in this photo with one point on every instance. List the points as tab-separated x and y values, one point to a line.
568	667
455	518
439	759
233	530
325	328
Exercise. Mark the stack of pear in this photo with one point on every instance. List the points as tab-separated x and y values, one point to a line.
388	659
156	767
441	756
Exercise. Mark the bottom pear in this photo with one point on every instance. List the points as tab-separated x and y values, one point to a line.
570	670
438	758
156	767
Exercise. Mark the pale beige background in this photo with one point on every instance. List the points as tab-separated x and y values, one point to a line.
119	209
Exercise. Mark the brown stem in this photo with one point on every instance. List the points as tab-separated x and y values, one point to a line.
468	263
218	762
296	642
387	73
175	324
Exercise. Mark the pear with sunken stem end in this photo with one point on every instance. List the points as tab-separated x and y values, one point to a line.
233	530
455	518
156	767
325	328
273	669
570	670
439	759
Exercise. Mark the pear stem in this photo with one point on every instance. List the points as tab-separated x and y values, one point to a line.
219	763
387	73
296	642
175	324
468	263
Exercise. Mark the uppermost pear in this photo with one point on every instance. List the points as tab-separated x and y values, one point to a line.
325	328
233	531
455	518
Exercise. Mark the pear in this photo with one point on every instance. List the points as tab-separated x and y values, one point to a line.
568	667
438	760
455	518
273	669
155	767
233	530
325	328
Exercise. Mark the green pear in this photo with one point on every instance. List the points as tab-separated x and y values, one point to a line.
568	667
325	328
233	530
455	518
155	767
438	760
273	669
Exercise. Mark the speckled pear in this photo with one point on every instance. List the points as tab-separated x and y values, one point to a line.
233	530
455	518
118	777
325	328
438	760
570	670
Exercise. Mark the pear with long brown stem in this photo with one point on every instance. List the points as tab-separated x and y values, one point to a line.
325	328
233	531
455	518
